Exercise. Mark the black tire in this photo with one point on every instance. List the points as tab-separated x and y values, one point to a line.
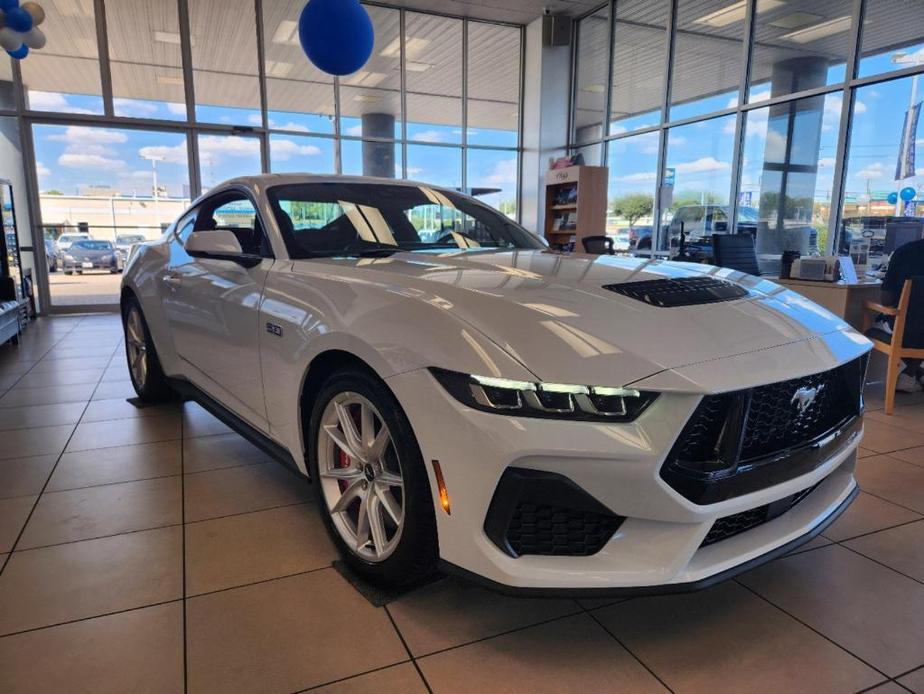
68	272
415	556
153	386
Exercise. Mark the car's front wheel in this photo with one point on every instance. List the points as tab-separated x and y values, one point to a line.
144	368
371	482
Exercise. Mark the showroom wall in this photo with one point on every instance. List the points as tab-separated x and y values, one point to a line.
140	105
781	117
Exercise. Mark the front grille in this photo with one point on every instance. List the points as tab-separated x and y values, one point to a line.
776	421
732	434
559	530
729	526
685	291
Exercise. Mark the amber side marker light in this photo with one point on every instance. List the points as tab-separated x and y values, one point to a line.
441	484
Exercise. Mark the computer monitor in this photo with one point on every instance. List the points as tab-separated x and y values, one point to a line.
900	233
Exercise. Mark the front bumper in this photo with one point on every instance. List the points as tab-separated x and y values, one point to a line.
657	547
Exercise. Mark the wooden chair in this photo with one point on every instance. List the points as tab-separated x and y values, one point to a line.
910	312
735	251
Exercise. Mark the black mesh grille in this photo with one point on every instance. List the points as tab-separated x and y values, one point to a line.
700	436
558	530
776	419
686	291
738	523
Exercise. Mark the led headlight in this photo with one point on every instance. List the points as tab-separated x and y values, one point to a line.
548	400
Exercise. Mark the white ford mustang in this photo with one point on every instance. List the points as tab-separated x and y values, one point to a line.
464	398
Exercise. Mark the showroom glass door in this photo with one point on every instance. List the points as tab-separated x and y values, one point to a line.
118	186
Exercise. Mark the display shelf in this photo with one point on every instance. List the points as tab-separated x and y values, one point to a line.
575	204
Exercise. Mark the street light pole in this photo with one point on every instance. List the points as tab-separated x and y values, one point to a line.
154	158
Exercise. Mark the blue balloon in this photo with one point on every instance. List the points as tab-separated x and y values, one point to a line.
18	19
20	52
908	193
336	35
893	198
7	5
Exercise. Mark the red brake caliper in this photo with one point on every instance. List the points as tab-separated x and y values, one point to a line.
343	461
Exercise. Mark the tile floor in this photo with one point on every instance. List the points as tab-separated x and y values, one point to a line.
151	550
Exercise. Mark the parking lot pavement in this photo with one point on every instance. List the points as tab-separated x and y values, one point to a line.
96	287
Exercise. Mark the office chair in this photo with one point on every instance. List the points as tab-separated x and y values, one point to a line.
735	251
598	245
907	338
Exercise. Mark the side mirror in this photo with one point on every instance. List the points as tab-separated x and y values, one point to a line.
219	244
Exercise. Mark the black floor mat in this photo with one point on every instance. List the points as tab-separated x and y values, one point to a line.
379	596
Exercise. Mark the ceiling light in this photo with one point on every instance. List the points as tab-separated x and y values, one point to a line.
275	68
593	88
412	47
169	79
366	98
795	20
819	31
286	32
735	13
415	66
167	37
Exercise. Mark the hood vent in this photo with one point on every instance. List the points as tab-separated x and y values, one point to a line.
686	291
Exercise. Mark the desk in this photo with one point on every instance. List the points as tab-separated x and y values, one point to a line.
842	299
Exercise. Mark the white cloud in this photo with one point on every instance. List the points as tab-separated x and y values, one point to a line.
642	177
295	127
90	161
504	173
354	131
175	154
176	109
53	101
428	136
414	170
283	150
41	169
214	147
874	170
79	135
826	162
759	96
702	165
133	107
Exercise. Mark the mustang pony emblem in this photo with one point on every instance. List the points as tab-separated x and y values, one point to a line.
805	396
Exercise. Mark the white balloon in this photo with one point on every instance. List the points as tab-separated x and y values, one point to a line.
34	38
33	8
10	40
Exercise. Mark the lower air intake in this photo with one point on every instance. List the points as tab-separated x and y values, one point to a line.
729	526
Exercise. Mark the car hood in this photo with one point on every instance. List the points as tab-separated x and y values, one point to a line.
551	312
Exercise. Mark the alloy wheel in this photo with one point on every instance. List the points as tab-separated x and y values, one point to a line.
360	476
137	346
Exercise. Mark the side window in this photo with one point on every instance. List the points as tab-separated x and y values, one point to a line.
235	212
185	226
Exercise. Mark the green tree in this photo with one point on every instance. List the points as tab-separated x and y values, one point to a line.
633	207
53	191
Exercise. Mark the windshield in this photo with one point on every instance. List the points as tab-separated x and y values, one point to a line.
748	214
92	245
330	219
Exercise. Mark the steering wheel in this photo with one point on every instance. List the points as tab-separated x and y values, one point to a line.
450	237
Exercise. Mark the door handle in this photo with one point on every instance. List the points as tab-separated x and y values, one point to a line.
172	281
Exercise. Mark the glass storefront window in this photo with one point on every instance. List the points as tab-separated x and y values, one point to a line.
145	60
796	49
881	157
373	158
227	156
293	154
787	175
300	98
590	88
224	57
707	57
638	64
892	37
492	178
433	63
633	176
370	99
111	184
696	184
441	166
64	76
493	85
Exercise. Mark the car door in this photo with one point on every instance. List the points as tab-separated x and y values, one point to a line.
212	305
